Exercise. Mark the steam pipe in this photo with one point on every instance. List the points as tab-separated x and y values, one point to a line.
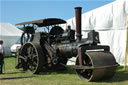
78	23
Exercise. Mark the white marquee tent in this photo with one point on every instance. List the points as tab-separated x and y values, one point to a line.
9	34
110	21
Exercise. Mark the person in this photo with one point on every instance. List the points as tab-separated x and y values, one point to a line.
2	54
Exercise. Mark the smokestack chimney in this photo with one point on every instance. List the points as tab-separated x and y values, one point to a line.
78	23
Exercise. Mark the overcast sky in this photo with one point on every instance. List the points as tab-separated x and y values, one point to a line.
16	11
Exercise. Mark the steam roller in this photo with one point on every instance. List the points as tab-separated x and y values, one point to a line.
52	47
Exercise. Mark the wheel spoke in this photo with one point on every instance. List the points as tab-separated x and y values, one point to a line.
35	56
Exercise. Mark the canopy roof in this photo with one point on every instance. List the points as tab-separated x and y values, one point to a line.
45	22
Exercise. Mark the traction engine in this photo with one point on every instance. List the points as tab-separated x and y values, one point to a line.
52	48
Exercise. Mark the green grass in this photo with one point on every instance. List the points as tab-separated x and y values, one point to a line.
18	77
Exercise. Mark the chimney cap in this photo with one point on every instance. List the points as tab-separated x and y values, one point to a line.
78	7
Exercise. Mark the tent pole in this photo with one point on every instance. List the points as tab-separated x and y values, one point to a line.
125	59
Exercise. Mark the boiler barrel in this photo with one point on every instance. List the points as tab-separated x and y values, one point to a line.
68	50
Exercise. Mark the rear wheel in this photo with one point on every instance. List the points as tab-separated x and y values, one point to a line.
32	57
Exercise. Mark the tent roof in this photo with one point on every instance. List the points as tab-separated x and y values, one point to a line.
7	29
107	17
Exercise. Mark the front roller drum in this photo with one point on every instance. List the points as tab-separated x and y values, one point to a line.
96	65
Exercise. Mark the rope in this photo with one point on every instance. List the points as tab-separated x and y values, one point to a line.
125	58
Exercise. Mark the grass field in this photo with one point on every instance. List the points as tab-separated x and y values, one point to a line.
69	77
